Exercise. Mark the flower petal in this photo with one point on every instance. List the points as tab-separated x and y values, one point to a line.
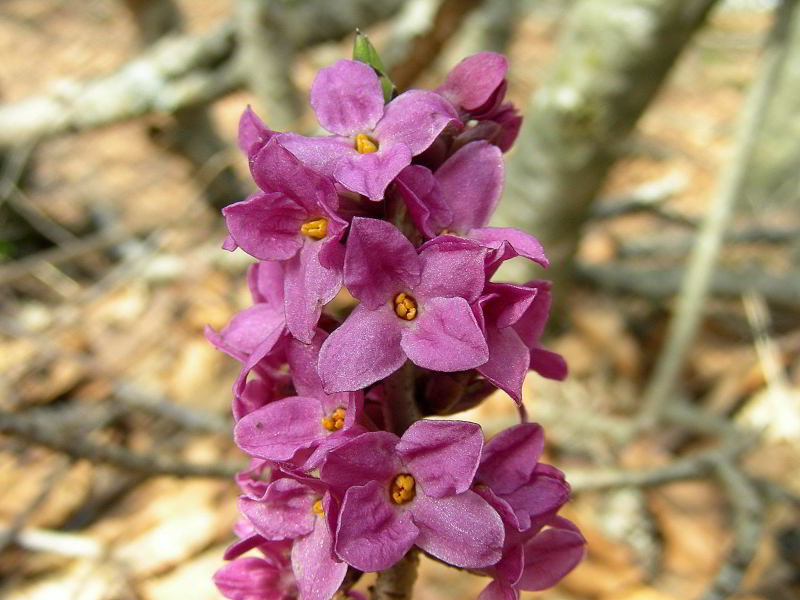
414	119
510	457
249	578
508	362
265	280
284	512
379	262
369	457
276	169
508	243
471	182
548	364
428	445
427	209
307	288
319	153
266	225
538	500
462	530
472	81
347	97
369	174
319	574
373	534
246	330
362	350
281	428
252	132
451	267
445	337
551	554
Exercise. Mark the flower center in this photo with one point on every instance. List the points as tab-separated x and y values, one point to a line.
402	490
405	306
335	421
316	229
365	144
317	508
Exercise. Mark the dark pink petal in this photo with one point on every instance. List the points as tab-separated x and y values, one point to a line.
276	169
327	444
256	393
420	192
510	457
380	262
307	288
284	513
266	226
531	325
265	280
369	457
510	122
414	119
471	182
239	547
537	500
472	81
246	330
445	337
252	132
369	174
508	304
347	97
319	153
428	445
318	573
373	534
462	530
508	361
451	267
498	591
521	243
501	507
281	428
548	364
250	578
364	349
551	554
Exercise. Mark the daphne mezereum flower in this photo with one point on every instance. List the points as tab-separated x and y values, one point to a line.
294	220
309	421
412	306
460	197
302	510
372	142
397	495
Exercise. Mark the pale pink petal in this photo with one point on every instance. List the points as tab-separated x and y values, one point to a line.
510	457
370	173
319	574
414	119
347	97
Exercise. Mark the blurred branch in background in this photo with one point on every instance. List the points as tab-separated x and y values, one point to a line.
613	56
697	280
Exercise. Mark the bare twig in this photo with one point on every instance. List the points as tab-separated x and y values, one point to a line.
47	434
748	520
57	542
186	418
697	282
664	283
177	72
691	467
265	59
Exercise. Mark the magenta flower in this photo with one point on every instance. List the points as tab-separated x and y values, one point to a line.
460	197
301	509
310	420
372	142
412	306
253	134
255	578
293	219
398	494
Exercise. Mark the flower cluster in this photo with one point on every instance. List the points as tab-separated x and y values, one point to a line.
394	206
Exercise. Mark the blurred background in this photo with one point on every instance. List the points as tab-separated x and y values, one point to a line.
658	164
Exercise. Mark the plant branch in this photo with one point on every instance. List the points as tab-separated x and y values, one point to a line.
396	582
697	281
37	430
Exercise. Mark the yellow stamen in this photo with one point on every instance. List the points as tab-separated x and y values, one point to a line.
403	489
336	421
317	508
316	229
364	145
405	306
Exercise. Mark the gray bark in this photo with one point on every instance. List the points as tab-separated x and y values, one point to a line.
612	58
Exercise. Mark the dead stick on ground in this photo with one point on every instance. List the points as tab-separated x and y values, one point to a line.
704	255
52	437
